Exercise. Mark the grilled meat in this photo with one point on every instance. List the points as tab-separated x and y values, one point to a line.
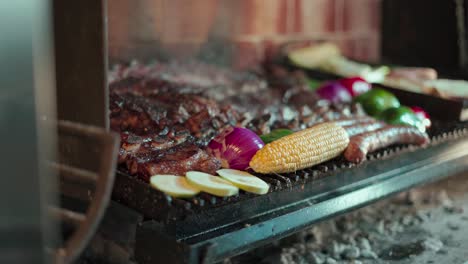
167	133
167	113
146	156
360	128
161	113
361	144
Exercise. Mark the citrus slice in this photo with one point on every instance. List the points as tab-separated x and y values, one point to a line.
175	186
313	56
245	181
211	184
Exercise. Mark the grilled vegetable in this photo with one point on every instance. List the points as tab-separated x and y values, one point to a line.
211	184
245	181
302	149
334	92
235	147
313	56
345	67
275	135
175	186
422	115
313	84
355	85
401	116
376	101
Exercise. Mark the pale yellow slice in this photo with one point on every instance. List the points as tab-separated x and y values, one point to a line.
211	184
244	181
175	186
314	56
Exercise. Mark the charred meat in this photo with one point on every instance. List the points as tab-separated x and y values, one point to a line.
167	113
364	143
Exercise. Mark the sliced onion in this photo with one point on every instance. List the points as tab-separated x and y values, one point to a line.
235	147
355	85
334	92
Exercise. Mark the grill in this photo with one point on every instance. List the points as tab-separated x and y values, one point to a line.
207	229
88	183
142	224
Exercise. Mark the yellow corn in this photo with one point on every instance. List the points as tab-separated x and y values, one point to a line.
302	149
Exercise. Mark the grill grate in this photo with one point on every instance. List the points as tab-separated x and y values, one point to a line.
157	206
206	229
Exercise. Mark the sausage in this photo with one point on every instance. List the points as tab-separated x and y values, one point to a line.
361	144
360	128
349	121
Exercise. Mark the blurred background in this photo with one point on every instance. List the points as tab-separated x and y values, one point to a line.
253	28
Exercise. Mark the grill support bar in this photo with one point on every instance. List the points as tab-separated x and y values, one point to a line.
322	199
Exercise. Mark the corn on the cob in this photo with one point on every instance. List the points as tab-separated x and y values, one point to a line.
302	149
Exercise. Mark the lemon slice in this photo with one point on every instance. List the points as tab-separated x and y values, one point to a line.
175	186
314	56
245	181
211	184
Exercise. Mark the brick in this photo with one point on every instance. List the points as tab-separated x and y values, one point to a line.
225	17
119	26
315	16
248	17
336	15
358	15
270	49
147	20
267	17
247	54
298	26
375	10
270	16
366	48
184	21
282	17
258	27
289	16
346	45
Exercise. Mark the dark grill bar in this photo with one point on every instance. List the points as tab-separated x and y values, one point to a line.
207	228
170	78
267	218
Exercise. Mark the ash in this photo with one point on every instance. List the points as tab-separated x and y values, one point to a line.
425	225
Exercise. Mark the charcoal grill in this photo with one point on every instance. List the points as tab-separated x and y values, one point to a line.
207	229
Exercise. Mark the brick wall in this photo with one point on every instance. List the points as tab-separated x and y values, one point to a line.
253	28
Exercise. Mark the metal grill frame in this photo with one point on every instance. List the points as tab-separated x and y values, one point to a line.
210	233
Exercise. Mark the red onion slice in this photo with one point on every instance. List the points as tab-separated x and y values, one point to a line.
235	147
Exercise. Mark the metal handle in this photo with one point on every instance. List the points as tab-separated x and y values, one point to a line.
93	187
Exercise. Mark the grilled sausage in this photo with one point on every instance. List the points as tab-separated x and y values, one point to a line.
350	121
361	144
360	128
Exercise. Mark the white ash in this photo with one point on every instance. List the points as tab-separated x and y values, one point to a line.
422	216
454	210
351	253
368	254
315	258
453	226
364	244
361	236
433	244
444	199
